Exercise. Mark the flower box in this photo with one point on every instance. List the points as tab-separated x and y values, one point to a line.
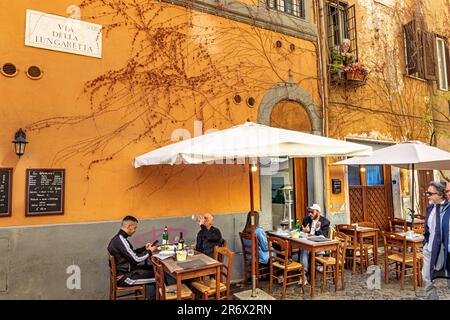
355	75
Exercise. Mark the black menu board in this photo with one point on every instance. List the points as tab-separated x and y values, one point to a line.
5	191
45	192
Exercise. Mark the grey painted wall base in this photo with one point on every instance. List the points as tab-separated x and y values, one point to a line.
34	259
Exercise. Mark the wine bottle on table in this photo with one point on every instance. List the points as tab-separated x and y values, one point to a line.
181	242
165	237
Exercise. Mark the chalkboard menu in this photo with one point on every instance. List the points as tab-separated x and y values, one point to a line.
45	192
5	191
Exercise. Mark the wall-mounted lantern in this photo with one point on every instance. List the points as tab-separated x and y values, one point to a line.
20	142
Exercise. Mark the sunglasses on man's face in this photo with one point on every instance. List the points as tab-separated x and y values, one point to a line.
429	194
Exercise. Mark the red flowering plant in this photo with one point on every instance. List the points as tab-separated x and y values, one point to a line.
355	68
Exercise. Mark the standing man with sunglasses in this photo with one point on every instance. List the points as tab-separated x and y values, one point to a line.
436	238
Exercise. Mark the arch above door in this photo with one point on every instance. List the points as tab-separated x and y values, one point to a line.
278	95
290	91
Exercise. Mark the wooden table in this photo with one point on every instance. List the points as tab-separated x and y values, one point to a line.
414	243
313	247
211	267
368	232
417	221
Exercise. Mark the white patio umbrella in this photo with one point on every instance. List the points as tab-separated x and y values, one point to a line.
413	155
247	142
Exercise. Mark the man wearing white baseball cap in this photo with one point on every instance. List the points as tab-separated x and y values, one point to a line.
313	224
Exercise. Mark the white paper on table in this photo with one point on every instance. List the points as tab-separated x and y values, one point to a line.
164	255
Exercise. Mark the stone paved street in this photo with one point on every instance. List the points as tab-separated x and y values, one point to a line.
356	288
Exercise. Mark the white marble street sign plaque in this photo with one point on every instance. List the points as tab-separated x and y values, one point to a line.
58	33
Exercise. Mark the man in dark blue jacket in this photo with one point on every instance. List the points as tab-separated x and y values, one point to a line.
436	238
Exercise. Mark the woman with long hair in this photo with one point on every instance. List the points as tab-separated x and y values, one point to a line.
263	247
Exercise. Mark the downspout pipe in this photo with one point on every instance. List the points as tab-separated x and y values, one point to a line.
319	22
320	25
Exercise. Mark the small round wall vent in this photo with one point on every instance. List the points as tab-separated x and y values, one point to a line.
251	102
34	72
9	69
292	47
237	99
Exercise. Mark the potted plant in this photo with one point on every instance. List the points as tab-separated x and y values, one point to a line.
355	72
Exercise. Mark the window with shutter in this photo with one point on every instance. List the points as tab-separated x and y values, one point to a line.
441	64
429	55
341	24
411	44
447	61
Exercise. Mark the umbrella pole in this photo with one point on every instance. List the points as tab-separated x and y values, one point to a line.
252	209
412	198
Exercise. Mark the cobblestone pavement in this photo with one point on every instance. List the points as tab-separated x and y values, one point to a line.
356	288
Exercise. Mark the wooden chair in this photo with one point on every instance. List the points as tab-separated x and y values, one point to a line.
397	225
262	270
396	254
331	232
329	263
419	228
164	292
353	247
279	259
207	288
114	289
369	247
368	224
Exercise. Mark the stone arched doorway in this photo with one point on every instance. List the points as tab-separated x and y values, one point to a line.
289	106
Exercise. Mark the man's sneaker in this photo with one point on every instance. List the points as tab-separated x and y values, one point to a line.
305	283
280	279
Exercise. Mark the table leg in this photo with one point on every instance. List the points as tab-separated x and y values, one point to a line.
178	288
336	268
375	256
313	272
414	266
361	258
217	283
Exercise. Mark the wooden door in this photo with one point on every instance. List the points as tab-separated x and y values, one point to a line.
301	188
372	202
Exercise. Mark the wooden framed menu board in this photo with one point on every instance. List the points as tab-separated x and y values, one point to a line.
5	191
45	192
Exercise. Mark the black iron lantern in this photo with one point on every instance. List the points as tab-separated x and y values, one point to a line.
20	141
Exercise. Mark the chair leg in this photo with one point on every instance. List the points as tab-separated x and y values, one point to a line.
354	260
386	270
403	276
303	280
324	277
284	284
396	270
270	279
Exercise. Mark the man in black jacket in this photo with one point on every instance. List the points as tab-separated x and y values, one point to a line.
209	236
129	268
313	224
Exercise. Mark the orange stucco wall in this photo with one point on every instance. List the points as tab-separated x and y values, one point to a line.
247	63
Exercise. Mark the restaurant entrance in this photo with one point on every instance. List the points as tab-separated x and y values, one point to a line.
290	177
